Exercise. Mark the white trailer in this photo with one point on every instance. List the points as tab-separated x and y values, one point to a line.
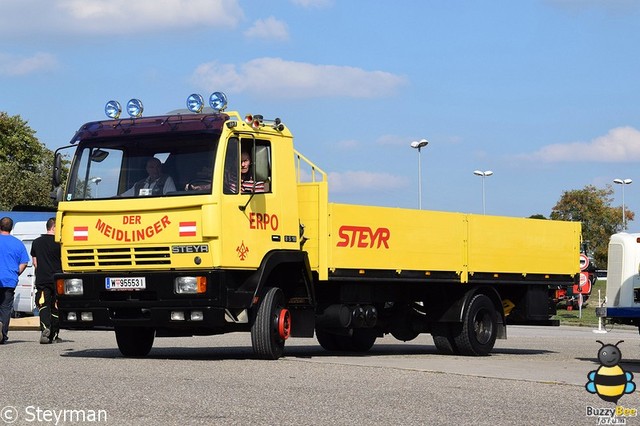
622	303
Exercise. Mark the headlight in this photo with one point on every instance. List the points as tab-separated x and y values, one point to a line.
73	287
190	285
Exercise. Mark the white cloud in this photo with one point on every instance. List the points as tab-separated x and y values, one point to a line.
117	16
312	3
357	181
276	77
348	145
621	144
393	140
269	28
11	65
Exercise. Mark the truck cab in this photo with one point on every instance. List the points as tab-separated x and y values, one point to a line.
135	249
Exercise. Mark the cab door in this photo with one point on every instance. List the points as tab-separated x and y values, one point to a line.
250	210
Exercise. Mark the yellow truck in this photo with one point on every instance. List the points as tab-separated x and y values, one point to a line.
203	222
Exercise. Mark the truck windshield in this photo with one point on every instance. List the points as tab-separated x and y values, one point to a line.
143	166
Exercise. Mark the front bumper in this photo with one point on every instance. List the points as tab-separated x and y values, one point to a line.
157	306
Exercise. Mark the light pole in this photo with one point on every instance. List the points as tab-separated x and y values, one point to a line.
483	174
96	180
419	145
623	182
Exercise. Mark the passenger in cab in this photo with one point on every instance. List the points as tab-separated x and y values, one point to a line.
247	182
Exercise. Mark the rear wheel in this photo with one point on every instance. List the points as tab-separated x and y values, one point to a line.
479	327
135	341
271	326
442	334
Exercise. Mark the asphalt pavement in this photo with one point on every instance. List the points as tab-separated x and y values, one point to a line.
535	377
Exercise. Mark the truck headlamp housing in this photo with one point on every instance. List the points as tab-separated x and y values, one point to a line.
73	287
113	109
218	101
190	285
135	108
195	103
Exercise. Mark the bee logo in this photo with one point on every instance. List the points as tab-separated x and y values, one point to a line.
610	381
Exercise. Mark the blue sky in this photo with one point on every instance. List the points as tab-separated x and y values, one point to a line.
545	93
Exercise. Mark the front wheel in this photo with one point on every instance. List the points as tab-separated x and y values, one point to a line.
135	341
479	327
271	326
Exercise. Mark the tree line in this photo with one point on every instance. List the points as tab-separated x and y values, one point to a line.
26	167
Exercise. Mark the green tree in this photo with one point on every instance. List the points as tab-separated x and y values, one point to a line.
592	207
25	165
537	216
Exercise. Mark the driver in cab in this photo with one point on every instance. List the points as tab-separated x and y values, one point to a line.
156	183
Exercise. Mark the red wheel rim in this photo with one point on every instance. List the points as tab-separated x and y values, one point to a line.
284	324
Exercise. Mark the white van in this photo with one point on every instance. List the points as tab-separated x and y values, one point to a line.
24	302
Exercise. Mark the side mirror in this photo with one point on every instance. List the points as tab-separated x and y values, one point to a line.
56	194
57	170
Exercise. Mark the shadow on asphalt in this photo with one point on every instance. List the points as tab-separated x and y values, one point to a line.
631	365
245	352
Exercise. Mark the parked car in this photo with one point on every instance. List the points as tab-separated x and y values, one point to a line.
24	302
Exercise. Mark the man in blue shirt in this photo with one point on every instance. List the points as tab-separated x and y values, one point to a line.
13	261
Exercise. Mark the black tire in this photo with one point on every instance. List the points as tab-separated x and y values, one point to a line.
265	337
479	327
443	338
135	341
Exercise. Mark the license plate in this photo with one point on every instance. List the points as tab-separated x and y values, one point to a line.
125	283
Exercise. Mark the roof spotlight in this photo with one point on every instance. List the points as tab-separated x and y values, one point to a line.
135	108
195	103
218	101
113	109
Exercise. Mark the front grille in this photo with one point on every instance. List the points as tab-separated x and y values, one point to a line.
117	257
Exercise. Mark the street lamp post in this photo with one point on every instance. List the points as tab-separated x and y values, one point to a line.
419	145
96	180
623	182
483	174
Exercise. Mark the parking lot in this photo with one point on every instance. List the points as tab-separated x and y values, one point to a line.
537	376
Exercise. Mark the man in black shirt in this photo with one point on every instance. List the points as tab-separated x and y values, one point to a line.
46	259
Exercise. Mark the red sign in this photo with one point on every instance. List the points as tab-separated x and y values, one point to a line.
584	262
585	284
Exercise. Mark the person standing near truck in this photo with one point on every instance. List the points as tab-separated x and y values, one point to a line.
45	252
13	261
